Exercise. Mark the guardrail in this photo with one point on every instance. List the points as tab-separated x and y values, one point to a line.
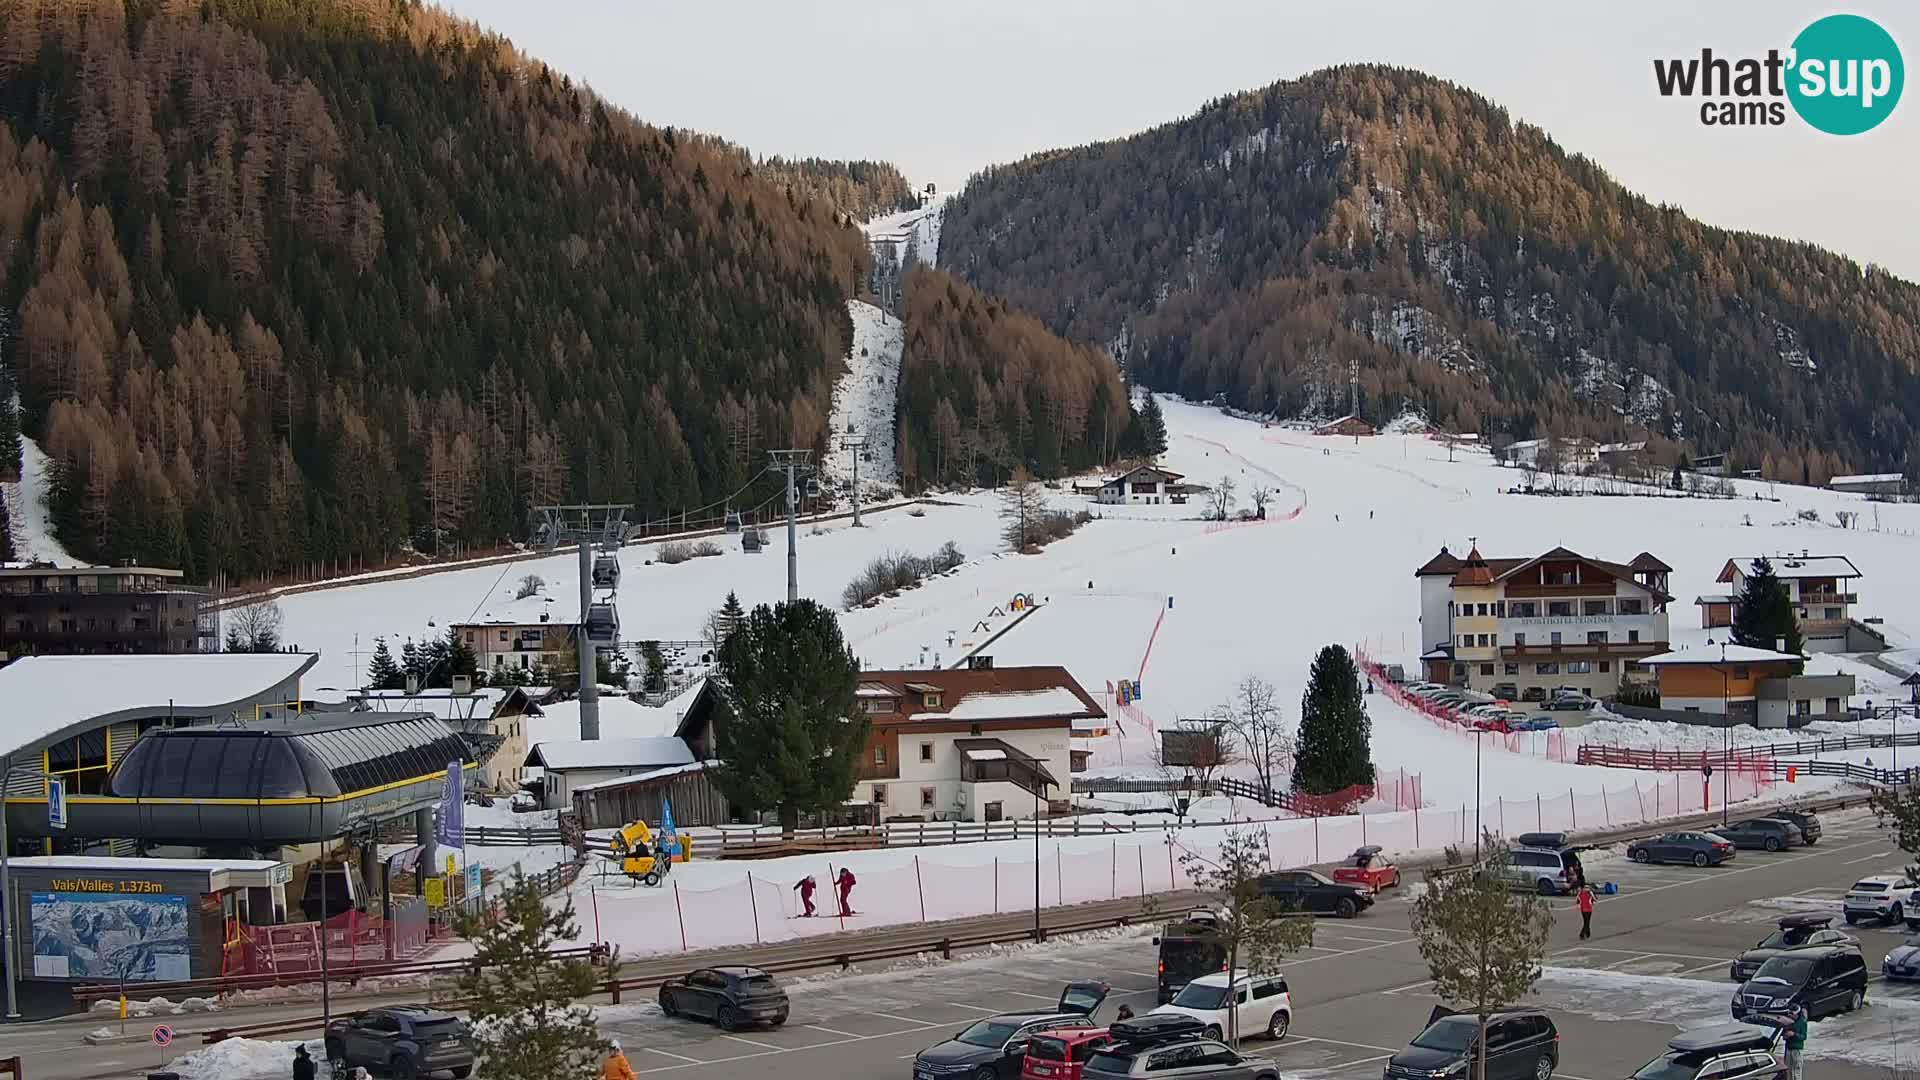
1746	757
488	836
349	974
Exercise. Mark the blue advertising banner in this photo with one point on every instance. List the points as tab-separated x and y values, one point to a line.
669	837
451	829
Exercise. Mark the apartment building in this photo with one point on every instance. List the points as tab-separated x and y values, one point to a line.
1821	588
47	610
503	644
1551	620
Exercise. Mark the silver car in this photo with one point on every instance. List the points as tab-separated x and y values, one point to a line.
1188	1059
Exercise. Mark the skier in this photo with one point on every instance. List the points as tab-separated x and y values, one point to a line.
845	882
616	1067
805	887
303	1068
1585	902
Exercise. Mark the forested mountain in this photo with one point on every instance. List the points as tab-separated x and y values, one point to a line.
1468	265
860	189
291	281
984	388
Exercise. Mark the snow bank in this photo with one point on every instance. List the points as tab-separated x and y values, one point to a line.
33	538
242	1059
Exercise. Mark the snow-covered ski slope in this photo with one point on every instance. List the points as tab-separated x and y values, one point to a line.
914	235
33	539
863	402
1334	563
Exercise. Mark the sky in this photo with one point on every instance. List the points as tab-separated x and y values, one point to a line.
942	90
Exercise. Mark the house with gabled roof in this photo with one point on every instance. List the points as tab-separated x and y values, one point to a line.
1147	484
1557	619
1820	587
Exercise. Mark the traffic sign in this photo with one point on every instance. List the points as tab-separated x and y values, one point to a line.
436	892
473	879
162	1035
56	802
451	872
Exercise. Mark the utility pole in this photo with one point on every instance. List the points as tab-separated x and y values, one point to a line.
856	444
584	524
794	462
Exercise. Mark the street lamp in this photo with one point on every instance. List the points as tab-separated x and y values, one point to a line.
1726	730
1039	795
1477	733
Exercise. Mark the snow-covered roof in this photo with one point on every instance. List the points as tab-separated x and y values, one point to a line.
987	755
1795	566
565	754
107	862
478	705
1868	478
1623	447
873	690
650	774
1711	654
1013	705
47	695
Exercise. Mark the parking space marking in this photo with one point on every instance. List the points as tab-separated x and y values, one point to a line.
1388	1050
1715	966
677	1057
1869	858
1630	960
765	1046
902	1019
972	1008
833	1031
1025	994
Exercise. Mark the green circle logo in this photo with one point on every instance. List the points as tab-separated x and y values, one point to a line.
1847	75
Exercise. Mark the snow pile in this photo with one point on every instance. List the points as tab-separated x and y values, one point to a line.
157	1006
33	539
242	1059
863	402
1014	704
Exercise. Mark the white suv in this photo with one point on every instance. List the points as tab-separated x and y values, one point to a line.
1878	897
1261	1004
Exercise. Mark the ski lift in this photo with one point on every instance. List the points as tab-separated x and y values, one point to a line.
813	487
603	624
751	541
733	521
606	572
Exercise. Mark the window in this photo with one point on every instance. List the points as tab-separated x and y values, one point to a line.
879	755
1546	669
1833	705
1596	637
503	636
1606	666
1500	609
1831	613
1466	641
1594	607
1511	669
1482	640
1579	667
1459	671
931	701
878	704
879	794
926	751
1555	637
1633	636
1525	609
1486	669
1632	605
1273	988
1740	672
1519	639
469	637
1482	609
926	798
1560	607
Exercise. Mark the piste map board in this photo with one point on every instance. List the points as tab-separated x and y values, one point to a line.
110	936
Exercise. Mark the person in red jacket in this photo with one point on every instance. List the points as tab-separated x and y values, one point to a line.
845	882
806	887
1585	901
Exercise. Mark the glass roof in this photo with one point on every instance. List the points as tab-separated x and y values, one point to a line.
238	763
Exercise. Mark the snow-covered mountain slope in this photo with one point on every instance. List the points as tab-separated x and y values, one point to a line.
864	401
913	236
33	539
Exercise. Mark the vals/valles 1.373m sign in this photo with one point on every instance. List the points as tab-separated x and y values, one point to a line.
1842	75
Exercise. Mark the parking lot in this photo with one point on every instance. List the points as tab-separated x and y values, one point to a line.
1658	959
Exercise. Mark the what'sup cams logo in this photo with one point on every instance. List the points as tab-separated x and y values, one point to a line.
1842	75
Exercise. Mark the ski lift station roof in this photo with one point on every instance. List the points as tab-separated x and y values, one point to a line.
50	698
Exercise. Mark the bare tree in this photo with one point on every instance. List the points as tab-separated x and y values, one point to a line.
1222	498
1259	730
254	627
1022	503
1261	496
1193	752
531	585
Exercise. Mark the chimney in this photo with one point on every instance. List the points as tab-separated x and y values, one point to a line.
1779	644
413	684
463	684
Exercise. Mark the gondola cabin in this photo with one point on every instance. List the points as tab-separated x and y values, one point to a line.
733	521
606	572
751	541
603	624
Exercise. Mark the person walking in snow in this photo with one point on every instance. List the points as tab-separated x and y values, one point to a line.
616	1067
1585	902
1796	1040
303	1068
845	882
805	887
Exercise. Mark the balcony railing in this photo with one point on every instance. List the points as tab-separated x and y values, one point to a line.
1817	597
1585	648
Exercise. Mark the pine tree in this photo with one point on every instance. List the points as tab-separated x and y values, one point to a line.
655	679
460	658
6	532
413	662
731	615
790	737
1763	612
1153	429
382	672
525	1003
1335	750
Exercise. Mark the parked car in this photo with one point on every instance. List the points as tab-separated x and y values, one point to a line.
1903	960
1547	871
1369	869
1084	997
1827	980
1809	824
1188	949
402	1041
993	1048
1521	1045
1506	691
1261	1003
1522	722
1311	891
1534	693
731	997
1698	848
1722	1052
1570	703
1182	1055
1882	897
1795	932
1765	834
1063	1054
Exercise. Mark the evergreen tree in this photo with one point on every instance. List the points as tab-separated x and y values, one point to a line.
654	681
1153	429
1763	612
525	1003
6	533
1335	750
413	662
9	420
437	656
790	737
382	672
460	658
731	615
1679	467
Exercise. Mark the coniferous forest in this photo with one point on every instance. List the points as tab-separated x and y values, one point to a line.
1470	268
299	281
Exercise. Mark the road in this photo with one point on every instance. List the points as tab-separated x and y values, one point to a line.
1658	958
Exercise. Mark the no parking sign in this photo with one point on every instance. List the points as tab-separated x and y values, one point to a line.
162	1035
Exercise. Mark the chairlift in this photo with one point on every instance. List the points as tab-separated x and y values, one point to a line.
733	521
603	624
606	572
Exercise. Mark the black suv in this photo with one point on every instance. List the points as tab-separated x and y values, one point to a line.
1796	933
1809	824
1725	1052
1521	1045
728	996
402	1041
1827	980
1312	891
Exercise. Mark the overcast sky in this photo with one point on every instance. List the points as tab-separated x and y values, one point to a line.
942	89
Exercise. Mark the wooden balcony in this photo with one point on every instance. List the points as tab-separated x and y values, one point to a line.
1585	648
